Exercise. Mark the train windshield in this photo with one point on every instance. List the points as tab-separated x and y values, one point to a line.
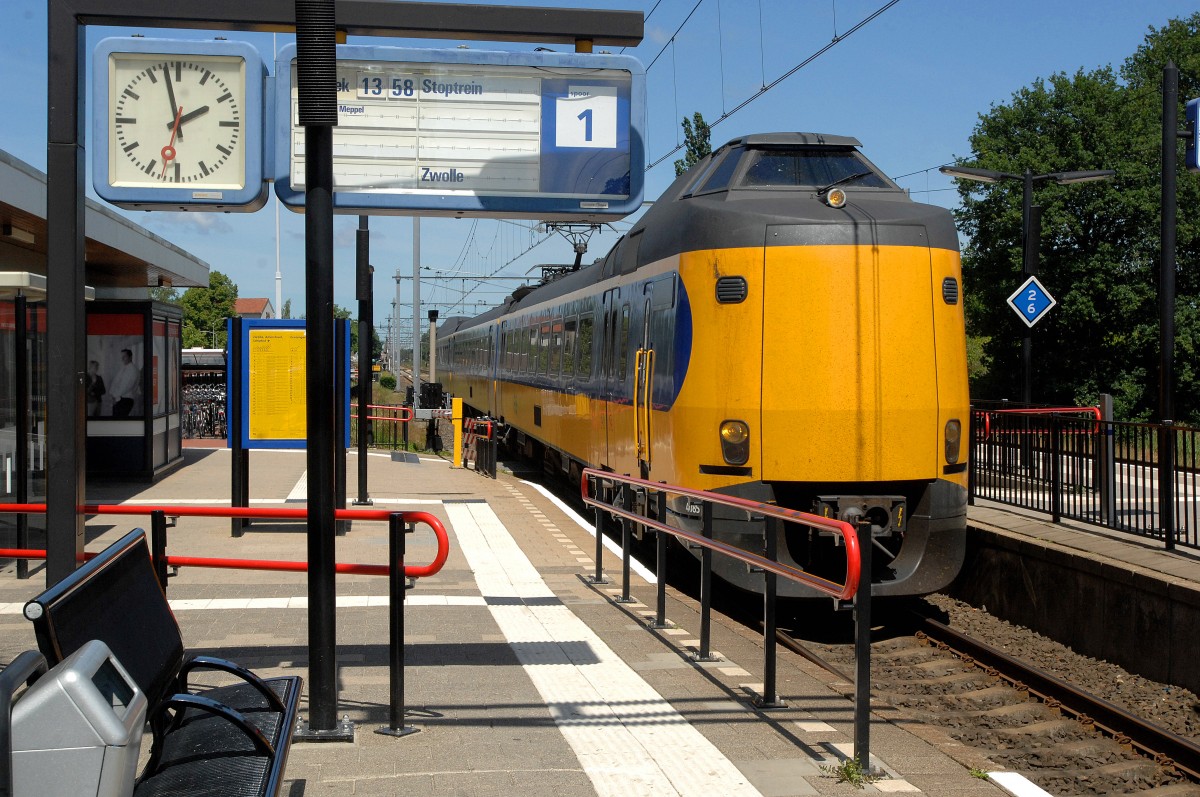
807	168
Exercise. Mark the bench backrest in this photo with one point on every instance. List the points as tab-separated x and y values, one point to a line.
114	597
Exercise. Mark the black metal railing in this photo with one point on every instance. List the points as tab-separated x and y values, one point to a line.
1137	478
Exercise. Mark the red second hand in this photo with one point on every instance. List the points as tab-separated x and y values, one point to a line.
168	152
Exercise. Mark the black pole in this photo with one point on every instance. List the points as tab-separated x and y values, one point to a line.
598	578
397	528
316	35
1166	307
660	551
769	697
1028	268
66	343
625	500
158	546
21	432
239	454
706	520
366	340
862	651
341	416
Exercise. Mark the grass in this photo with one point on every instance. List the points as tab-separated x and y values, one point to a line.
849	771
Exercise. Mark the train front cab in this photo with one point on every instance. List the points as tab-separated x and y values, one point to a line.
845	359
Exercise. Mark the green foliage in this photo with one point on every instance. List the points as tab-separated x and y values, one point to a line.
205	311
166	295
387	382
849	771
1099	243
695	141
286	312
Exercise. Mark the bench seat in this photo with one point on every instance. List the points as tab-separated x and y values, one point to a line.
224	741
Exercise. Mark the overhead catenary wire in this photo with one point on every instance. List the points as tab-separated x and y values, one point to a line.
833	42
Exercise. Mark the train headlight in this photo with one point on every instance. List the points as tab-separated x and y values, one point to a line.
735	442
835	198
953	437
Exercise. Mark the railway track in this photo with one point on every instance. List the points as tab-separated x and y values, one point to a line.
1062	737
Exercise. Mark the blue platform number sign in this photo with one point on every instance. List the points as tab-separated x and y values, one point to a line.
586	117
1031	301
1193	135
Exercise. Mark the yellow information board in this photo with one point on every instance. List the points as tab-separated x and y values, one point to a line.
276	366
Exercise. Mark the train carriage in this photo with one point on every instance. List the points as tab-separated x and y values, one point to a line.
783	324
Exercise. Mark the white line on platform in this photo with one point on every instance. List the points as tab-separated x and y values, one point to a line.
1017	784
300	491
297	602
609	544
628	739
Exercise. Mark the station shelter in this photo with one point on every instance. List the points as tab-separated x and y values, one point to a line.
133	342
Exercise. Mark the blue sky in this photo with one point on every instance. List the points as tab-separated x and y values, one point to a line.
910	85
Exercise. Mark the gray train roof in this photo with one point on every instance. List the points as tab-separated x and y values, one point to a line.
739	217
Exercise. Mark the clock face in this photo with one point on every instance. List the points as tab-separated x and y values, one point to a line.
177	121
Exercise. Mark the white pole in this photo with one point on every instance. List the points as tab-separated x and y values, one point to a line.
416	307
278	272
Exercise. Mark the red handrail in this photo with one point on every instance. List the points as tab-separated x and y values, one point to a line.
404	415
843	591
413	571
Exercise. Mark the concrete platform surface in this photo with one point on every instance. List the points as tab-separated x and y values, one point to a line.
522	677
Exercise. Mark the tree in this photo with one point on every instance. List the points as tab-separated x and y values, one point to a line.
1099	243
695	141
286	312
205	311
165	294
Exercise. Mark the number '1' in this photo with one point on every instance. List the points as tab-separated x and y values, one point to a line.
586	116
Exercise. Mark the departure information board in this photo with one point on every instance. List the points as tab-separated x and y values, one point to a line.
553	136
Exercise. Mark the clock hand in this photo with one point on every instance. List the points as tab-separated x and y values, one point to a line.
168	152
170	92
189	116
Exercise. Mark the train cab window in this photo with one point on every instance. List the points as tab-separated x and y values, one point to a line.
568	349
585	347
629	252
810	168
719	178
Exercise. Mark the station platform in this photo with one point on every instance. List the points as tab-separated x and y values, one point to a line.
522	677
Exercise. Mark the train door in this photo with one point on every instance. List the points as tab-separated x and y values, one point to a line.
618	393
499	368
643	389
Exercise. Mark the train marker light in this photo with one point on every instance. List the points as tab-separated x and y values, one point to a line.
835	198
735	442
953	437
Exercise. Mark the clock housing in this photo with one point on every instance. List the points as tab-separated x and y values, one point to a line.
178	125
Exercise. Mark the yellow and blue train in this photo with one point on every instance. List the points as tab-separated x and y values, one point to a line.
784	324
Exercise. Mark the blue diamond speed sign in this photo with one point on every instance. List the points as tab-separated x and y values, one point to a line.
1031	301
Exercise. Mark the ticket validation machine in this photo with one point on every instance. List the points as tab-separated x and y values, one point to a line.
78	729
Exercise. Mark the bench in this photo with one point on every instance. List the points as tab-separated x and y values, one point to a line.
226	740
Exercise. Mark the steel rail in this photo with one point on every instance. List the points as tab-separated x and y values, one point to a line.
1165	747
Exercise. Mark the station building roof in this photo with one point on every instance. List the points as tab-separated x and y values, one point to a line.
117	252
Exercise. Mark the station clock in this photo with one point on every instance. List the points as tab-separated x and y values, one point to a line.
178	125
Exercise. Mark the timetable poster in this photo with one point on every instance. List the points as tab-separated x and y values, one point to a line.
276	368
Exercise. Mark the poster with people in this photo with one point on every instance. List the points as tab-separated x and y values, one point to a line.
115	352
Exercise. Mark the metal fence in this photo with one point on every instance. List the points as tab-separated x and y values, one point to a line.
1074	463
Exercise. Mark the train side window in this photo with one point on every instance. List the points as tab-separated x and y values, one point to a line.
623	343
568	364
585	347
543	356
531	351
556	347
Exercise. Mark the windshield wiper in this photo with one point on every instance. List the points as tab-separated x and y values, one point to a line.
847	179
